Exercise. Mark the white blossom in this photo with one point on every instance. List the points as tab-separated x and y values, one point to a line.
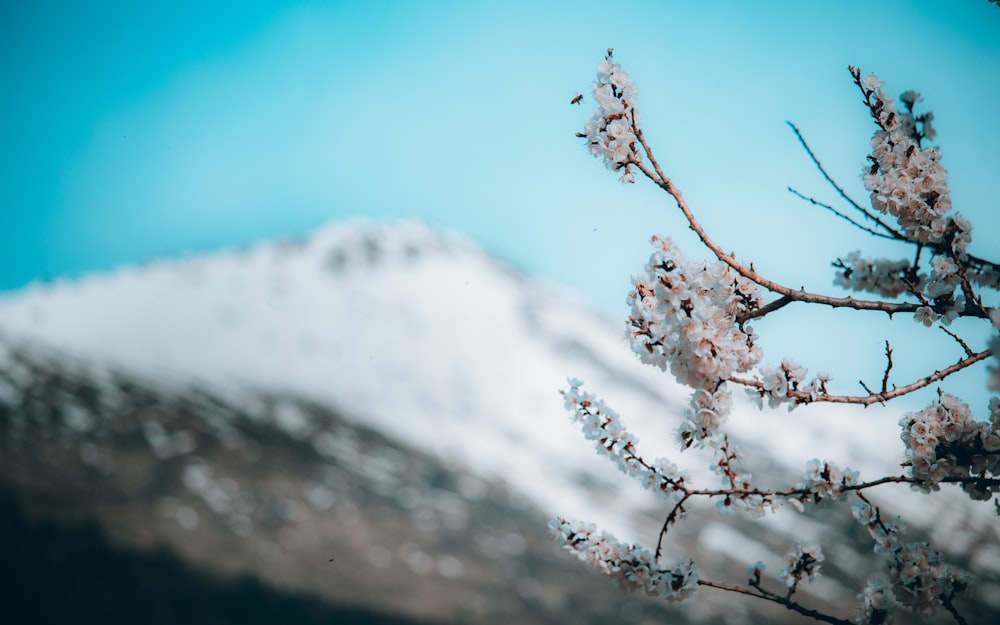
707	412
684	317
875	603
824	481
915	572
874	275
907	180
602	425
802	562
632	566
611	131
944	441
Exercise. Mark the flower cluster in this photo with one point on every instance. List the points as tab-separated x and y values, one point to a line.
918	576
602	425
684	315
611	131
875	603
908	181
905	179
706	414
801	563
943	440
632	566
824	481
874	275
786	385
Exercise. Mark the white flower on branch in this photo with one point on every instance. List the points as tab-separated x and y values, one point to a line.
633	567
925	315
802	563
944	441
684	316
823	481
907	180
707	412
916	573
611	131
874	275
875	603
602	425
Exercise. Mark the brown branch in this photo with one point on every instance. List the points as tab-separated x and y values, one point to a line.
865	386
781	302
658	177
857	488
770	596
800	295
803	397
965	346
888	368
950	607
671	518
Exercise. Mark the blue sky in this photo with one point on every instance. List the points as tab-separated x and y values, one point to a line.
132	132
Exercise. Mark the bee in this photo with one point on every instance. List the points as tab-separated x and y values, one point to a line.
577	99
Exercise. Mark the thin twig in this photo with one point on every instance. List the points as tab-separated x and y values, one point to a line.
965	346
672	518
865	386
781	302
892	233
946	602
792	492
888	368
836	212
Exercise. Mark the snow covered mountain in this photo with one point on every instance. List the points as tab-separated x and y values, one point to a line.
422	337
415	333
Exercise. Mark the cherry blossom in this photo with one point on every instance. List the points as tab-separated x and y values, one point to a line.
685	317
802	562
633	567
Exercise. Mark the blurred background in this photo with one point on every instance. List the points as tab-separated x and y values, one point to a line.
260	222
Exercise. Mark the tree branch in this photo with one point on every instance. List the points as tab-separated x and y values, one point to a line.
770	596
892	232
803	397
888	368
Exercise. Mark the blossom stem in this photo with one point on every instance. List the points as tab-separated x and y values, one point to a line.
803	397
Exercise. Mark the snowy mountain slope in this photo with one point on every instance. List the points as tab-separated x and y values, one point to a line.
419	334
425	338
